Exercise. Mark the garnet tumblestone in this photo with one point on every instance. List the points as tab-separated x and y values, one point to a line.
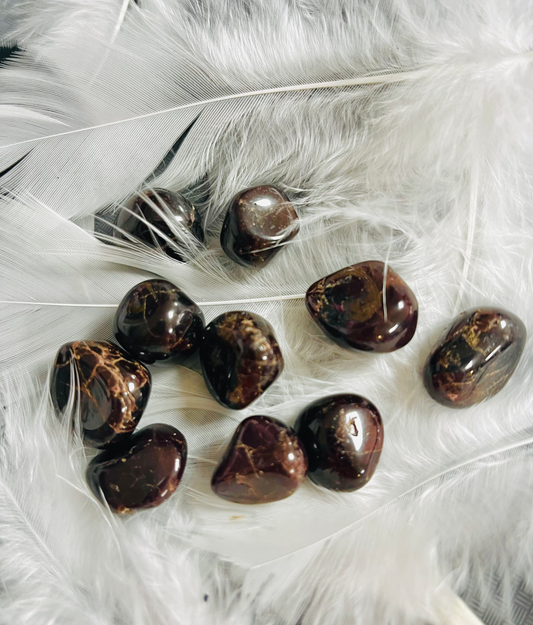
264	462
240	358
343	438
142	472
156	212
110	389
354	310
258	223
156	321
475	357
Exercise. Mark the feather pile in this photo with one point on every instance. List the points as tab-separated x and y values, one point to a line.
401	131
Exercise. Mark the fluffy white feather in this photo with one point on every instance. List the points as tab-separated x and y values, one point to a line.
427	166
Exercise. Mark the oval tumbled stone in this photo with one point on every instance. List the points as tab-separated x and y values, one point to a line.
354	310
111	389
264	462
142	472
157	322
475	357
259	222
343	438
240	358
156	212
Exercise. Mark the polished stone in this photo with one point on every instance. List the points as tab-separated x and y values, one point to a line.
164	211
259	222
143	472
264	462
475	357
111	389
343	437
353	309
240	358
157	322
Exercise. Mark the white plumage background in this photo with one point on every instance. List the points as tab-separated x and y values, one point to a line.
401	131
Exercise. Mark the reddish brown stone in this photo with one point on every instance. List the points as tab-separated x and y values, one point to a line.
352	309
475	357
111	389
158	211
142	472
157	322
240	358
264	462
259	222
343	438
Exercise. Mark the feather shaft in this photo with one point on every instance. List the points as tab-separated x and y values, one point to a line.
332	84
277	298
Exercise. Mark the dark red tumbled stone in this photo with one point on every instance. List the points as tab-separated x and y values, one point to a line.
475	357
343	438
353	309
156	212
142	472
259	222
240	358
157	322
111	389
264	462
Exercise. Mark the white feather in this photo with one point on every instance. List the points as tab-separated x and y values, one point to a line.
424	161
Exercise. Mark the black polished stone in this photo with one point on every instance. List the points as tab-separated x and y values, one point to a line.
163	212
259	222
240	358
111	389
354	310
343	437
264	462
141	473
157	322
475	357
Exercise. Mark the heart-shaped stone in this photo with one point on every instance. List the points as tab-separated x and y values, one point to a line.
142	472
111	389
264	462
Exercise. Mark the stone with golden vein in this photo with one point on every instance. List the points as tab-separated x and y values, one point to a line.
353	308
475	357
264	462
111	389
240	358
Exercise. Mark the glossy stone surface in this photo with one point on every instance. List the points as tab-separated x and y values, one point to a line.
157	322
164	211
111	389
352	310
343	437
259	222
264	462
240	358
143	472
475	357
